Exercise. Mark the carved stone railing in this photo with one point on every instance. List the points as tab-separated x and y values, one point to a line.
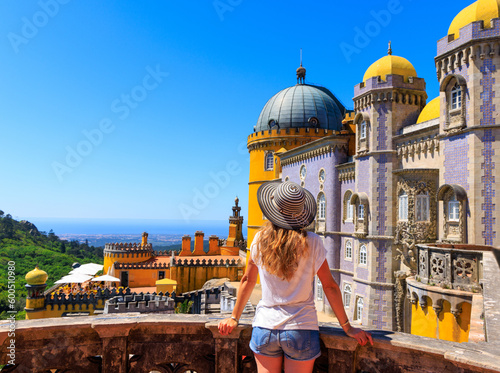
180	343
451	266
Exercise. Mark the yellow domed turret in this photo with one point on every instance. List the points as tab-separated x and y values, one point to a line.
36	277
431	111
481	10
390	65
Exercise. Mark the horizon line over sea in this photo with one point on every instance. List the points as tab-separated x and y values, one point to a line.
129	226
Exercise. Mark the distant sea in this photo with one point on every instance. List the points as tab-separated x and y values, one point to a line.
130	226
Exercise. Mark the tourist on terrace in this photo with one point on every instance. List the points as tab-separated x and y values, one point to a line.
287	258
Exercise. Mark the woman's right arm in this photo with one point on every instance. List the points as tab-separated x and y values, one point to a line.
247	284
334	296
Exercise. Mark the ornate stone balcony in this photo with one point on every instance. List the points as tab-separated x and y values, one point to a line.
451	266
191	343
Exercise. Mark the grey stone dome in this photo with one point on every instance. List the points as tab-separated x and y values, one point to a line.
302	106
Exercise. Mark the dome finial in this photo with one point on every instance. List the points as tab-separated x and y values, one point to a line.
301	71
389	52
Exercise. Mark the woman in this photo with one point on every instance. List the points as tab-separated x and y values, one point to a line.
287	259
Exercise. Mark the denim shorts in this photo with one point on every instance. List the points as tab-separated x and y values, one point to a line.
301	345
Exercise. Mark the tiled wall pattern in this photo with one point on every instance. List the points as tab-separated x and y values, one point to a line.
488	166
456	159
379	303
382	194
363	175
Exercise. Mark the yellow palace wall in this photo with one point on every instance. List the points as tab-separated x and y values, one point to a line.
143	277
425	323
192	277
110	258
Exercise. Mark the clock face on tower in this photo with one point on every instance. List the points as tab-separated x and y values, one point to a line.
303	172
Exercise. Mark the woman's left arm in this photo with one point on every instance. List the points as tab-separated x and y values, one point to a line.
247	285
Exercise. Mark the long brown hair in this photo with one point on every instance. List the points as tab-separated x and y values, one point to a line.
279	250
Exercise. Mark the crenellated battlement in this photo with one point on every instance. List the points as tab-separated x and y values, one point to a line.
128	247
141	265
167	253
205	263
82	299
391	83
475	44
291	132
349	116
470	33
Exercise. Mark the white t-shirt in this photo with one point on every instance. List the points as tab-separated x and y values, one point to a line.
289	304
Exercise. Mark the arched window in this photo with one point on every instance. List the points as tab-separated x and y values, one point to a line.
319	289
453	209
422	207
362	130
321	206
454	199
361	211
362	254
348	208
348	250
359	309
269	166
347	295
403	206
456	97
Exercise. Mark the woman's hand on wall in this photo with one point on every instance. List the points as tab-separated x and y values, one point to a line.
226	326
360	335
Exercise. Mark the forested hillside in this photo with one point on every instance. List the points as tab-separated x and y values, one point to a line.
22	243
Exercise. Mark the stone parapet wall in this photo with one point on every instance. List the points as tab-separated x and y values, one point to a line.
491	262
165	343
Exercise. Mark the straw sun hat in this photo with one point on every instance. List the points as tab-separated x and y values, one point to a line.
287	204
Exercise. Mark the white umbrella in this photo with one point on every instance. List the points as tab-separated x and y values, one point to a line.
107	278
74	278
87	269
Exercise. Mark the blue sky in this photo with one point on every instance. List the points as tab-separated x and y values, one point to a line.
127	109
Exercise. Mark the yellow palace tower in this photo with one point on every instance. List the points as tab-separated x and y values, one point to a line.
294	116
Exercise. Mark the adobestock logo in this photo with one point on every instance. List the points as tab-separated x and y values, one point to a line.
30	26
364	35
224	6
219	181
122	107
